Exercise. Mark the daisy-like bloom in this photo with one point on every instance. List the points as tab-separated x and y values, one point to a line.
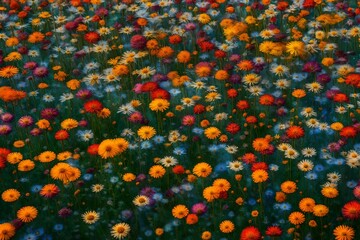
159	104
27	214
222	184
126	109
168	161
211	193
295	132
273	231
284	146
146	132
314	87
141	200
312	123
329	192
145	72
288	187
8	71
227	226
250	233
212	132
333	177
26	165
305	165
255	90
157	171
344	232
120	230
261	144
259	176
291	153
320	210
307	204
308	112
232	149
47	156
279	70
49	191
180	211
10	195
7	231
108	149
90	217
69	123
295	48
282	84
235	166
202	169
351	210
251	79
97	188
296	218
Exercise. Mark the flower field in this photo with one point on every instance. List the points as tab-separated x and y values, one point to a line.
171	119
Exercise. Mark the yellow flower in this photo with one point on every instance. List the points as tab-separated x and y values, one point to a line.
146	132
202	169
69	123
295	48
204	18
159	104
212	132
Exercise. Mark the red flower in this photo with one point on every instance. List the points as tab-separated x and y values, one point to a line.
273	231
233	128
93	149
93	106
282	5
232	93
178	169
242	104
340	97
295	132
206	46
351	210
149	86
249	158
199	108
308	4
267	100
92	37
251	119
160	93
348	132
219	54
353	79
259	166
175	39
250	233
138	42
2	162
61	135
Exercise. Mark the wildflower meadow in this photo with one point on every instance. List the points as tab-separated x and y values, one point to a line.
180	119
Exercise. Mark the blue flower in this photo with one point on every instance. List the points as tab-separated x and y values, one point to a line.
58	227
311	176
319	168
179	151
87	176
146	145
158	139
252	201
36	188
285	206
351	184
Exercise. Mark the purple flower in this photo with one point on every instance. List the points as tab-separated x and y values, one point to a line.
311	67
190	27
323	78
333	147
65	212
49	113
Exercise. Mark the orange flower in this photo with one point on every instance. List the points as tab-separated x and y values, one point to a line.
260	144
295	132
298	93
183	57
192	219
288	187
36	37
180	211
165	52
245	65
